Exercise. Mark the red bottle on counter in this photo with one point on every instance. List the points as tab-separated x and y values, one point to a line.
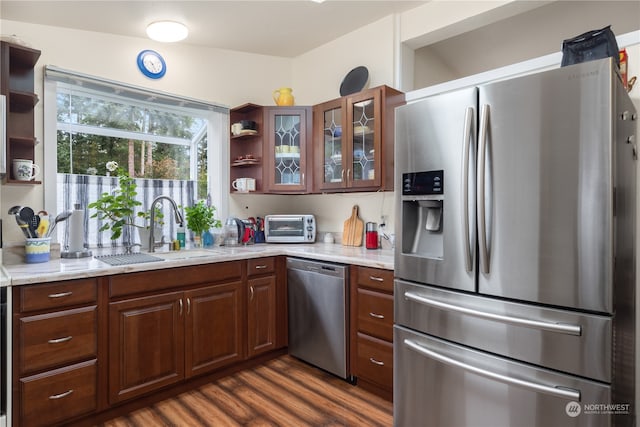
371	235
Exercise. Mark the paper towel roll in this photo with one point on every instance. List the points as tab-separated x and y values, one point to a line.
76	230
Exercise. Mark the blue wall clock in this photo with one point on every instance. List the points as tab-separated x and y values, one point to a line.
151	64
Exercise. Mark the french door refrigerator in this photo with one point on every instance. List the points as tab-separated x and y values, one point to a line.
515	258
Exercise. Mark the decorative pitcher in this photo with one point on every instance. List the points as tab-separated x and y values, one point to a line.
284	97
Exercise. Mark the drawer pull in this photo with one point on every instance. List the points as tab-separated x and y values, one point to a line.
260	267
376	278
377	316
376	362
61	295
61	395
60	340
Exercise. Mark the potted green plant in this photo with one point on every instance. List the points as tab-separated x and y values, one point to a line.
117	209
201	218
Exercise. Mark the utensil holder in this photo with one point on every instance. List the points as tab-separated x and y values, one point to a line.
37	250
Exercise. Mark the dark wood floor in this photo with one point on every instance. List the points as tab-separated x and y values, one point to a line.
283	392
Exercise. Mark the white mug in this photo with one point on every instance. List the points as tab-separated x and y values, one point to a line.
25	170
244	184
236	128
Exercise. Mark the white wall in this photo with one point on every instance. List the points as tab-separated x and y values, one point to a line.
318	73
532	34
219	76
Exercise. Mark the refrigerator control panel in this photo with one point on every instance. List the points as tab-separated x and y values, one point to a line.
422	183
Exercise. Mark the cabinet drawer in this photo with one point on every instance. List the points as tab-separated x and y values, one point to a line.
261	266
375	360
375	278
57	295
58	395
171	278
49	340
375	314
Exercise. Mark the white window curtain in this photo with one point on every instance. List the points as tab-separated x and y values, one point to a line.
83	189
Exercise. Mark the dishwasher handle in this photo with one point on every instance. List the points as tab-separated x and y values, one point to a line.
328	269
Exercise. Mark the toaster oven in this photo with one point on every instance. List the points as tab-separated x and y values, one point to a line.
290	228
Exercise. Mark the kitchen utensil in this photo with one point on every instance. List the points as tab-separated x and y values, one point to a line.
33	225
353	229
354	81
43	226
15	210
26	216
23	226
233	232
63	216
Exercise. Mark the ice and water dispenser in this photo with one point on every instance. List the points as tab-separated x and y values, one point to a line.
422	213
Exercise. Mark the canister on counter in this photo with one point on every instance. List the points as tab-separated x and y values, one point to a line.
371	235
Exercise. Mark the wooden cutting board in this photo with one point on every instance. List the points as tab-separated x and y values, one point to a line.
353	229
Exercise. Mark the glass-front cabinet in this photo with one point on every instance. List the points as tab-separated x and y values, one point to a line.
354	141
286	149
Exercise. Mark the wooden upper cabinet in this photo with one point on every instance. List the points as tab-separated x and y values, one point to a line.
287	149
246	148
17	84
354	141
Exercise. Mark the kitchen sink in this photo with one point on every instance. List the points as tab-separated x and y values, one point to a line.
127	259
143	257
187	253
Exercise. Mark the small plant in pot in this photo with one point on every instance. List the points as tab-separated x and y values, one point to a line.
117	209
201	218
143	231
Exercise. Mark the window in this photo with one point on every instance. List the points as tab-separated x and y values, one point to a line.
168	144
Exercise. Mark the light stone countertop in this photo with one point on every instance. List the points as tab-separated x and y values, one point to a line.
67	269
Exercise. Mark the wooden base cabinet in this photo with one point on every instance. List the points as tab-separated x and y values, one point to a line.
84	348
163	338
55	351
261	306
214	328
372	329
146	345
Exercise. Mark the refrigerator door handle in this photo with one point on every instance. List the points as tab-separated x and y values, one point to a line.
482	225
556	391
562	328
466	148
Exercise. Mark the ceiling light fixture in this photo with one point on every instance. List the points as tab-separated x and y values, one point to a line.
167	31
317	1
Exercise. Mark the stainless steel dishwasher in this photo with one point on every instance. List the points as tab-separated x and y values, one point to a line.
317	314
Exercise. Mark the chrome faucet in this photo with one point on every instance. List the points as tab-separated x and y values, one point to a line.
176	211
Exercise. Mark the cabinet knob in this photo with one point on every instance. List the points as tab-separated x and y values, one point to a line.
250	293
376	278
180	304
377	316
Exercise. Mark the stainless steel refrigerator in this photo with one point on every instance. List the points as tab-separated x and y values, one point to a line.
515	257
